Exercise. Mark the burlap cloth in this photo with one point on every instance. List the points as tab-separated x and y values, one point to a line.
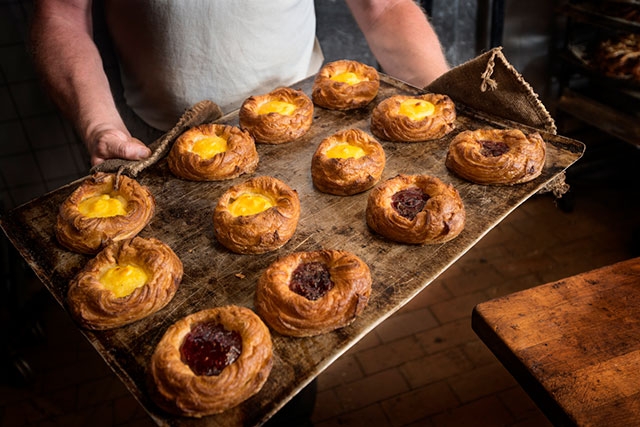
487	83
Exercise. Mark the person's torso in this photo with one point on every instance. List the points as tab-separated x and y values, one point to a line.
175	53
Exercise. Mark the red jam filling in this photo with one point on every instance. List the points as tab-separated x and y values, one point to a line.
311	280
410	202
493	148
209	348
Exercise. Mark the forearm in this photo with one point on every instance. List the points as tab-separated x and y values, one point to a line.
71	67
401	38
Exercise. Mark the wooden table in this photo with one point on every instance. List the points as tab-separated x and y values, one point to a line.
573	345
215	277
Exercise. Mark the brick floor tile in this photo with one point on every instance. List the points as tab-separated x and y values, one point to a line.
536	419
96	416
372	415
327	406
457	308
126	409
518	402
446	336
419	403
403	324
368	341
344	370
486	412
479	277
505	287
434	292
533	262
480	382
17	414
389	355
435	367
478	353
371	389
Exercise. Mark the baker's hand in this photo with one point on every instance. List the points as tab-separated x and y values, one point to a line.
106	142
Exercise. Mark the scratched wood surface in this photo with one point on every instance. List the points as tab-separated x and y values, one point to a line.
214	276
574	344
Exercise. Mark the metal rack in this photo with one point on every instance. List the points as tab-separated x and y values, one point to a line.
609	103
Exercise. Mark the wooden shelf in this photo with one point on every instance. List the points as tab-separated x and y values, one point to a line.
610	120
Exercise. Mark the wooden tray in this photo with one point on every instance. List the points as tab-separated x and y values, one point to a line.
213	276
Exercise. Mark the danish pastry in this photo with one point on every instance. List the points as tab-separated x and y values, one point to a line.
413	118
416	209
101	209
212	152
311	293
348	162
496	156
126	281
210	361
280	116
256	216
345	85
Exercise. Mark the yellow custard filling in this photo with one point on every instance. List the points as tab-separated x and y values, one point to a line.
416	109
208	146
345	151
347	77
122	280
250	204
103	206
280	107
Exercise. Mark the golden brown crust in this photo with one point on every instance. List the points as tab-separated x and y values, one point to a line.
441	219
240	157
275	128
95	307
387	122
337	95
473	155
80	233
262	232
178	390
292	314
345	177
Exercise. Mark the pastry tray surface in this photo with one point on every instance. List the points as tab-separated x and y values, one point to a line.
213	276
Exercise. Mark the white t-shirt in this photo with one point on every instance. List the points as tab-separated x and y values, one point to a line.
175	53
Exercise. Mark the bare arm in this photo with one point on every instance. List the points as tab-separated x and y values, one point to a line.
71	68
401	38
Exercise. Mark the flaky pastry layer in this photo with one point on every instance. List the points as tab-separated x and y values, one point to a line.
264	231
387	123
524	161
347	176
336	95
275	128
95	307
441	219
239	158
80	233
292	314
178	390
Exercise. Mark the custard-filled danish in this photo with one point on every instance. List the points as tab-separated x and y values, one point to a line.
127	281
345	85
104	208
213	152
347	162
280	116
256	216
413	118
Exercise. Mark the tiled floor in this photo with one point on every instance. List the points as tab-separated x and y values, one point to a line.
424	366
